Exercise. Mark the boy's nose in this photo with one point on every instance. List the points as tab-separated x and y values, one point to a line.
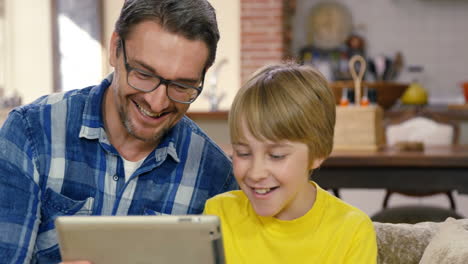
258	170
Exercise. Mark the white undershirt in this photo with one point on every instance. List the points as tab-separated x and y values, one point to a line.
131	166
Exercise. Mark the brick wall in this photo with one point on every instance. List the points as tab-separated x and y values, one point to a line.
262	34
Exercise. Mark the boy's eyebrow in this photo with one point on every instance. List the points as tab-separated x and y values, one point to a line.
278	144
239	144
269	145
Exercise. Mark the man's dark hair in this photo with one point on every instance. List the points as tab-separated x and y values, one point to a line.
193	19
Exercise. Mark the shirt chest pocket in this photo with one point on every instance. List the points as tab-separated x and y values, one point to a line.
55	204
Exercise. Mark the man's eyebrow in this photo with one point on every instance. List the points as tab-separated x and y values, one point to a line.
151	70
142	64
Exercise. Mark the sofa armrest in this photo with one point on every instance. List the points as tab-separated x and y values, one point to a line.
405	243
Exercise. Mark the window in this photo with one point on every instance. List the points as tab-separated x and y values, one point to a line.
77	43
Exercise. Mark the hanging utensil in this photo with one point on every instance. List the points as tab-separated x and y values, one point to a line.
357	62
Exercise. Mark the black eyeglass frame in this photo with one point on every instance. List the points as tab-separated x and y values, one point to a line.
166	82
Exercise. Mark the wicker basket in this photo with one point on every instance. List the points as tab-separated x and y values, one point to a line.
358	127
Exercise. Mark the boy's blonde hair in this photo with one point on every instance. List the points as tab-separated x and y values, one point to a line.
286	102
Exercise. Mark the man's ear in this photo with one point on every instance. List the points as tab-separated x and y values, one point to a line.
113	44
316	163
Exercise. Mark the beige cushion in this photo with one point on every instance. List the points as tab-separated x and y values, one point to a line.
403	243
448	246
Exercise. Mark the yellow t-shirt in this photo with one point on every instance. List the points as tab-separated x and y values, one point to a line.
331	232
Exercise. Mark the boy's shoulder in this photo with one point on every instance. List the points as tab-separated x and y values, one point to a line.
342	210
228	201
229	197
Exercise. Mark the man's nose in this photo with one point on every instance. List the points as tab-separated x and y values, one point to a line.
157	99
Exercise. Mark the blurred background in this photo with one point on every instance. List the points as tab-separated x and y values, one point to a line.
45	45
57	45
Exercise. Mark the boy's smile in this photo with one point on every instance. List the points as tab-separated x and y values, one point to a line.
264	191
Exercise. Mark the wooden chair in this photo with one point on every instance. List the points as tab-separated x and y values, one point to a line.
426	128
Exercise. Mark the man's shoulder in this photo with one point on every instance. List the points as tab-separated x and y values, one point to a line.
59	99
210	146
63	109
189	125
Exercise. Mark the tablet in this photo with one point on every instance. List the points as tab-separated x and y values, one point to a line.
141	239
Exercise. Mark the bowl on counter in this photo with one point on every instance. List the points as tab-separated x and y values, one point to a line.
387	92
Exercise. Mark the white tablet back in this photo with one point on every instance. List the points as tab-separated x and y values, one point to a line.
141	239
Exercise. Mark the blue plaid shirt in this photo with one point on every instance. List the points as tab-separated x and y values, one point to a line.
56	159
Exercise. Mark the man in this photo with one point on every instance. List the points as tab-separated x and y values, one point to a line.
124	147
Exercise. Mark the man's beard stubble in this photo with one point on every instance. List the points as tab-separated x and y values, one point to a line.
130	129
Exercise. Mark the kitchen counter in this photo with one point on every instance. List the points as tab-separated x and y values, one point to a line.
451	112
215	123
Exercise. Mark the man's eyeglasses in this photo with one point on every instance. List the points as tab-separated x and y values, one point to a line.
147	82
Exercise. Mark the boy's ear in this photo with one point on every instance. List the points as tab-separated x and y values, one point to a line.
316	163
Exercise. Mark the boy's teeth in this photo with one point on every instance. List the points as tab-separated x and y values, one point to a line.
144	111
262	191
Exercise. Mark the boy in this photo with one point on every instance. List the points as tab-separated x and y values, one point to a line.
281	124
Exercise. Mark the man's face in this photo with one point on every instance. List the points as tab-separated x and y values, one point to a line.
150	48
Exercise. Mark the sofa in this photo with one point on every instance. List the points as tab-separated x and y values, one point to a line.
423	243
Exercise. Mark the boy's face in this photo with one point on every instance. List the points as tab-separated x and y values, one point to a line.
274	176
